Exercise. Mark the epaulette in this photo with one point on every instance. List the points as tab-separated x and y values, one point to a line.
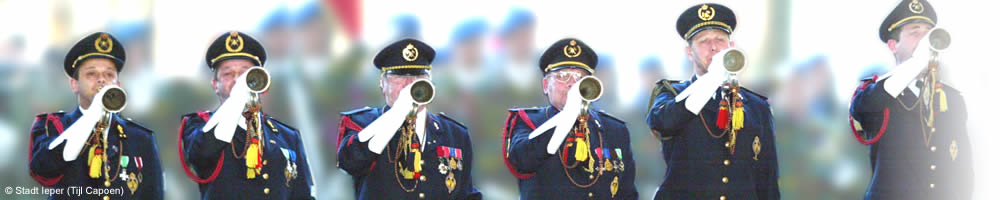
452	120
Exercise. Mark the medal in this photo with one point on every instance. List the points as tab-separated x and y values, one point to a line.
132	183
291	168
450	182
756	147
458	155
614	187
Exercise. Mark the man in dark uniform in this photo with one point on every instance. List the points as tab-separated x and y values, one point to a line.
900	114
403	151
235	152
576	151
713	150
95	152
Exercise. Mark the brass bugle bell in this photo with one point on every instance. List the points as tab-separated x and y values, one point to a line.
422	92
939	39
734	60
114	99
258	79
591	88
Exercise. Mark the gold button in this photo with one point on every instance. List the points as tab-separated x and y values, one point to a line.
421	195
423	178
264	162
267	190
933	167
726	162
591	176
932	186
725	179
421	162
265	176
727	144
107	183
933	148
590	194
106	197
723	197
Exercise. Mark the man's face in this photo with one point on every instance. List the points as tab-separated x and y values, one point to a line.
704	45
392	84
92	75
556	84
909	35
226	75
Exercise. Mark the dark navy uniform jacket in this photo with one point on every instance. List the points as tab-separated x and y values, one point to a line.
222	176
374	175
49	168
542	176
910	160
699	166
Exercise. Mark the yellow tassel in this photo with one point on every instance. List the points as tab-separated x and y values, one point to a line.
95	167
95	160
738	117
942	100
90	153
581	150
252	157
416	161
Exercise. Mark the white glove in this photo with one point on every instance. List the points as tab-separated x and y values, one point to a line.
230	112
904	73
562	121
76	135
380	131
699	92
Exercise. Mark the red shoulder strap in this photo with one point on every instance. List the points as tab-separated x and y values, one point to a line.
885	117
508	127
180	152
57	123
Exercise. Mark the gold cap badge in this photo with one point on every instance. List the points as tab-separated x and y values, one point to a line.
572	50
706	12
104	44
234	43
410	53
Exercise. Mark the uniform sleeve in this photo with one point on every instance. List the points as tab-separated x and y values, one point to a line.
201	149
667	115
525	154
630	171
867	106
151	160
304	183
472	192
44	162
353	155
767	185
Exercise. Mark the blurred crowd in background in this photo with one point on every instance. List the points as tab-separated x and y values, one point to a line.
319	54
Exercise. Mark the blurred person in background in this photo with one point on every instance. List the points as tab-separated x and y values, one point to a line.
914	123
402	150
239	151
81	148
576	151
466	79
825	164
516	57
718	142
